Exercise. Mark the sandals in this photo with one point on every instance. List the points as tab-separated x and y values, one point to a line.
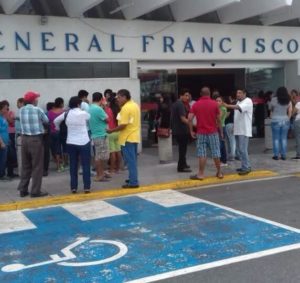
220	175
100	179
196	177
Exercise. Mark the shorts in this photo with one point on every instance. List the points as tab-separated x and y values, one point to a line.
114	145
210	141
101	148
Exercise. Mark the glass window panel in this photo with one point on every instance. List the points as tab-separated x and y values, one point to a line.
5	70
102	70
120	69
69	70
28	70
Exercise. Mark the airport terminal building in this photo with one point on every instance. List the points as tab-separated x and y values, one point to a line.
60	46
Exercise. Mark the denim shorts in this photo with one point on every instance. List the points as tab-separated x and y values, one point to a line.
210	141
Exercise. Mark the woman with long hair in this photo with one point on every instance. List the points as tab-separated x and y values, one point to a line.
112	110
281	112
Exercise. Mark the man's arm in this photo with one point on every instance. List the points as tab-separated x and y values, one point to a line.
232	106
219	123
190	121
117	129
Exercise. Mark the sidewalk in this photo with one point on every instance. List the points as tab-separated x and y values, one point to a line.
151	173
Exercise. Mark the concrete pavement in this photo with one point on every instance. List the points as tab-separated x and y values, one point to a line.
153	176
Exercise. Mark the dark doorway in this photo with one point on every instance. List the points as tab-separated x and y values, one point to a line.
223	80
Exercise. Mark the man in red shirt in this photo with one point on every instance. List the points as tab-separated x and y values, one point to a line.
208	119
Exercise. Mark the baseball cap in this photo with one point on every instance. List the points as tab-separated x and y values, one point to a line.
30	96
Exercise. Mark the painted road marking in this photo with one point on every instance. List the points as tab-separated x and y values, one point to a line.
161	241
169	198
69	255
13	221
93	210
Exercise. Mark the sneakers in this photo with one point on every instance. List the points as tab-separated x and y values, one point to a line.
243	172
61	169
40	194
223	164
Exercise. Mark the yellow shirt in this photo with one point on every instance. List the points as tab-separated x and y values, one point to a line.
130	116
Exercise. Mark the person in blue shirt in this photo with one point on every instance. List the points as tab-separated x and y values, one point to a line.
4	139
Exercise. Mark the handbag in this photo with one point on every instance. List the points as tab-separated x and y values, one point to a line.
163	132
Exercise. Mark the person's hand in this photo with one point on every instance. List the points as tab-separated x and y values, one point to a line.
193	135
109	131
2	145
224	104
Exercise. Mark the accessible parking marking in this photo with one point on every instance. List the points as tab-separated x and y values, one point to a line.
147	237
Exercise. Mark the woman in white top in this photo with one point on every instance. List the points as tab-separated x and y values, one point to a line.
296	111
78	143
281	111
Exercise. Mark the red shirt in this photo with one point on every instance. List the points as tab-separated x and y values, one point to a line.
206	111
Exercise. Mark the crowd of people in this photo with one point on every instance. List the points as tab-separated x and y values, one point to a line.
99	137
223	125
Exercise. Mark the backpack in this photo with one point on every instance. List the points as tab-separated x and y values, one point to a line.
63	129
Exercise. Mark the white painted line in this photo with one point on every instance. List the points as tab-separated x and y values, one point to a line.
296	230
95	209
215	264
169	198
12	221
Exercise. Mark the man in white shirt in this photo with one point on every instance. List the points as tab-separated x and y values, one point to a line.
242	128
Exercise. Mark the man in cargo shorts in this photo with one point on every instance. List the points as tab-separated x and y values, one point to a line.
98	125
209	125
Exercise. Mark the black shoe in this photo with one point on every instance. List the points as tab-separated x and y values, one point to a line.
127	181
238	169
74	191
187	166
283	158
40	194
185	170
13	175
296	158
127	186
87	191
275	158
23	194
45	174
244	172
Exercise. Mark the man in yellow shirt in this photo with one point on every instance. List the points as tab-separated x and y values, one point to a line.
129	126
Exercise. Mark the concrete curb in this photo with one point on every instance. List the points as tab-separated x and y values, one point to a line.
117	192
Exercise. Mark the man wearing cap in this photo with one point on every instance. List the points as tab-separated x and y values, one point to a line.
32	121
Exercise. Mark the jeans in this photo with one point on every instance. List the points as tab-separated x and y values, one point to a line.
182	141
297	136
279	137
243	142
129	151
3	157
231	140
223	148
82	152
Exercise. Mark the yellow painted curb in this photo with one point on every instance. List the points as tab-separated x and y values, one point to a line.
117	192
